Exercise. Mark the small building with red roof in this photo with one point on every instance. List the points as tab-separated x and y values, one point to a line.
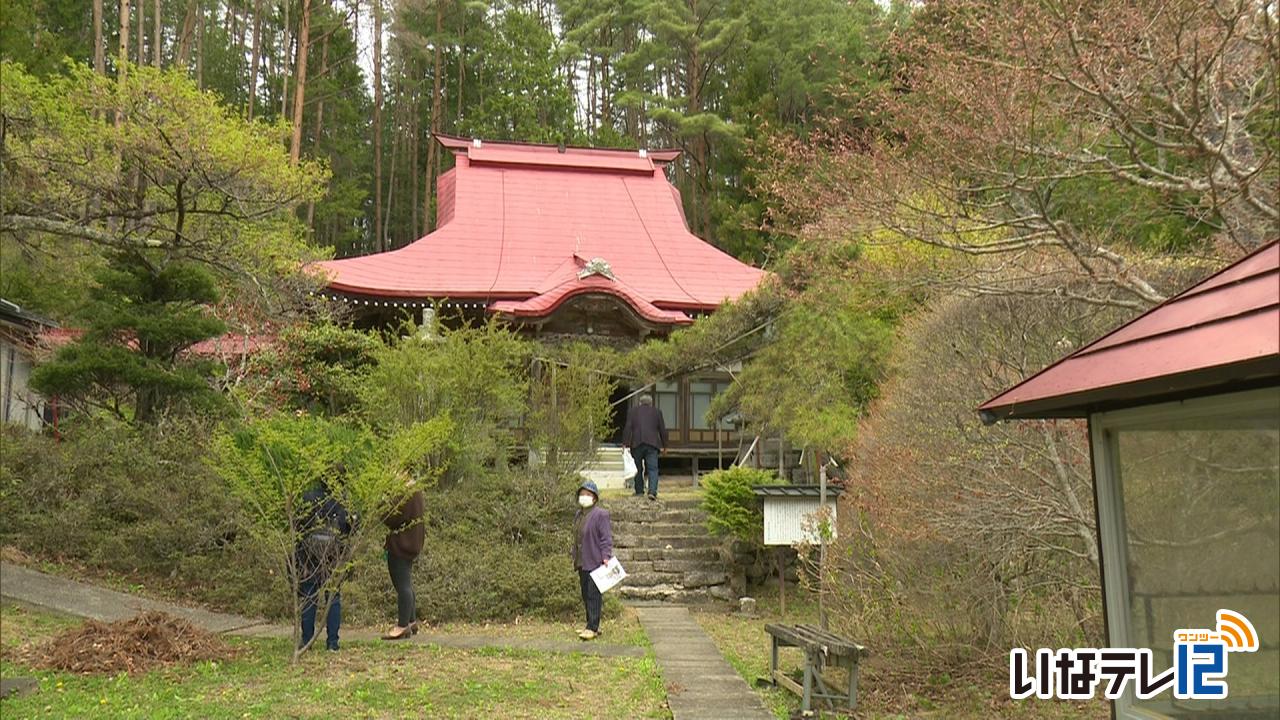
561	242
1183	406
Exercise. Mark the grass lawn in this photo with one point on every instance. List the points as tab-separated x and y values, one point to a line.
882	694
364	680
622	629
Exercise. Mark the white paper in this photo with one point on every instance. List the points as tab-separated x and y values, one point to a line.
608	575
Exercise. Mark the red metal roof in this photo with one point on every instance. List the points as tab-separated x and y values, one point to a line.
230	345
544	304
1222	333
519	222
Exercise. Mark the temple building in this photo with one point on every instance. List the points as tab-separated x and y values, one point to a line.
561	242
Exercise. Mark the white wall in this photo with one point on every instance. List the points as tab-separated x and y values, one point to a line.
787	518
18	403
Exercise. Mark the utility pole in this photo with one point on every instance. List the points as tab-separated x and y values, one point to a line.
823	529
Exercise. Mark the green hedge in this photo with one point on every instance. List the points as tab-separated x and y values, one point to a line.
144	502
732	507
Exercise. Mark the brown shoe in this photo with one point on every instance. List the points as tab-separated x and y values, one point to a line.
398	633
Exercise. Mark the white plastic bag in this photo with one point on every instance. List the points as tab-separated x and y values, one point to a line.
629	467
608	575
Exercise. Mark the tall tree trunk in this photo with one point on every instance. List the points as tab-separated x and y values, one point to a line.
99	51
606	104
591	97
396	133
122	72
414	128
156	35
435	118
462	60
200	46
379	236
142	32
242	29
300	85
284	62
183	57
324	67
255	56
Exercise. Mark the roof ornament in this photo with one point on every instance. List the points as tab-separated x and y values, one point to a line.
596	266
475	143
644	153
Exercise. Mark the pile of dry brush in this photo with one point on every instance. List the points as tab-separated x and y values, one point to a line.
141	643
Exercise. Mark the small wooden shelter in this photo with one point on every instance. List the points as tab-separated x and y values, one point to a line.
1183	406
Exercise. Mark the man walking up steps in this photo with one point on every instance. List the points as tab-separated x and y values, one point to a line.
645	434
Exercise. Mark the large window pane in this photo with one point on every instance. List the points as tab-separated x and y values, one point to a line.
701	393
1201	500
666	396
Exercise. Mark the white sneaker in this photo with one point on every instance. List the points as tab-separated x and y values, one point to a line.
588	634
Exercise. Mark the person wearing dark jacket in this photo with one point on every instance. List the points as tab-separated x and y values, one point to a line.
592	548
404	544
322	532
646	435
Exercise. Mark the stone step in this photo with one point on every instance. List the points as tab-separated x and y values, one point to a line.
629	527
702	555
682	580
633	511
662	541
645	505
653	579
671	593
634	567
686	517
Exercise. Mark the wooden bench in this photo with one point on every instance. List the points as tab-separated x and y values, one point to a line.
821	648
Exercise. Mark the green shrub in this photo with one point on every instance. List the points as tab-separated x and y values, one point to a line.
732	508
498	547
272	464
147	502
476	376
133	500
315	366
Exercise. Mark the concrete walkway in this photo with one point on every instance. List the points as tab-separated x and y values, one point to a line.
71	597
701	685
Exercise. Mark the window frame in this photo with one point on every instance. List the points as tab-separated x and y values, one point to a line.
1109	499
672	423
718	386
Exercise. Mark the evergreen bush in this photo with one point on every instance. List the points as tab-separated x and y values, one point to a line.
731	506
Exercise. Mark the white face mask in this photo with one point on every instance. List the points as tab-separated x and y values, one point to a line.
586	501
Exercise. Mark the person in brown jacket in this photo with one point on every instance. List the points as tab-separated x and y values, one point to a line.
404	544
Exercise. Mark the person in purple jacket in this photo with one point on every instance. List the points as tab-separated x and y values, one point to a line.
592	548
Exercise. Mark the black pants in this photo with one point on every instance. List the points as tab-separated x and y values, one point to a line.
592	599
401	571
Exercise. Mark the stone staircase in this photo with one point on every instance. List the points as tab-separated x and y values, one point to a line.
667	552
608	469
